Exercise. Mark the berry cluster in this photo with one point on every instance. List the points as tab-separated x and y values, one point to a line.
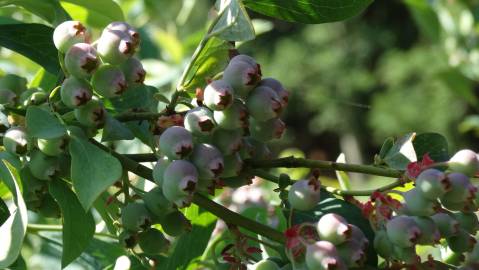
332	243
440	206
235	116
105	67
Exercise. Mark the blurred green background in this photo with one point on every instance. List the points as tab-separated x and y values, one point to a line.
400	67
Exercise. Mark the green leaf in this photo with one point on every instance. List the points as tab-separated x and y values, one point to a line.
92	170
309	11
211	60
78	225
432	143
401	153
42	8
387	145
43	124
192	244
425	17
234	23
44	80
4	212
140	97
14	228
331	204
114	130
93	12
343	177
33	41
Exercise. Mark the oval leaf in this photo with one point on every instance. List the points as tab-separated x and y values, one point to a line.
308	11
43	124
93	12
33	41
433	144
92	170
78	225
13	230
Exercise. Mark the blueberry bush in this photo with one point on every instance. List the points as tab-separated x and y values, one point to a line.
182	200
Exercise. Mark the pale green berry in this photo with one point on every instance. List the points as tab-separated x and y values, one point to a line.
133	71
159	170
199	121
263	104
333	228
430	234
408	255
464	161
382	245
462	242
15	140
81	60
432	183
265	265
267	130
135	217
278	88
461	188
157	203
403	231
234	117
176	142
242	76
304	195
468	221
115	47
447	225
54	146
179	182
68	33
323	255
218	95
233	164
75	92
42	166
152	241
175	224
109	81
92	114
418	205
352	253
228	141
208	160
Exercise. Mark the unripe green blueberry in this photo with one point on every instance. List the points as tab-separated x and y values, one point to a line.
135	217
430	234
15	141
358	235
176	142
352	253
382	245
14	83
255	149
125	29
92	114
133	71
465	161
42	166
227	141
199	121
81	60
278	88
242	76
468	222
68	33
109	81
461	189
247	59
33	97
304	194
417	205
218	95
53	147
263	104
234	117
153	242
128	239
159	170
8	97
75	92
333	228
208	160
267	130
49	207
462	242
179	182
323	255
175	224
451	205
233	164
265	265
115	47
157	203
448	226
403	231
432	183
407	255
